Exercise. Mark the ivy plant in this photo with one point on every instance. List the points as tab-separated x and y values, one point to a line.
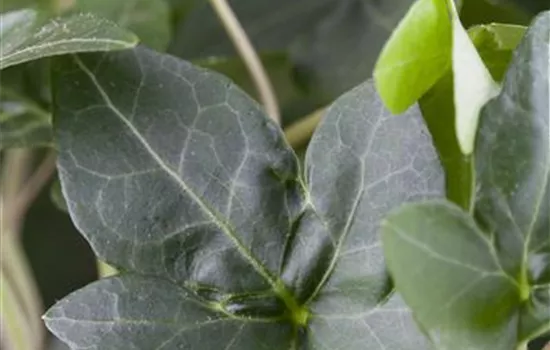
193	193
419	217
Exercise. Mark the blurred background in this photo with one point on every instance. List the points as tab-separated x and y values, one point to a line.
314	50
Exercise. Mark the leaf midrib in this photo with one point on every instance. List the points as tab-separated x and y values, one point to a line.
278	286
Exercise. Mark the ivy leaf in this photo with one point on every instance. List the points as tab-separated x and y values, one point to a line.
485	284
149	20
495	44
25	35
181	181
513	196
416	56
447	270
293	100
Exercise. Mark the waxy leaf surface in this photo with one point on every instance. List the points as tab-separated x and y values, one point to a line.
484	284
179	179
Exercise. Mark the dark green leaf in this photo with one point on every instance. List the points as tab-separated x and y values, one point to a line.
26	35
334	43
172	172
513	170
148	19
495	44
168	317
361	163
292	99
476	12
484	284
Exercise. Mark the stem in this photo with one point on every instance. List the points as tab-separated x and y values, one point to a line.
299	133
21	306
32	188
249	56
16	168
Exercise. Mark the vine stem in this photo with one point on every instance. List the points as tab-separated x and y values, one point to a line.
299	133
20	305
31	189
249	56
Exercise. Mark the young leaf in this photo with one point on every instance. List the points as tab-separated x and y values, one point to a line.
149	20
495	44
179	179
25	35
485	284
416	56
473	85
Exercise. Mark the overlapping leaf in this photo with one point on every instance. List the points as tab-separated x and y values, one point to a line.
179	179
485	284
149	20
27	35
416	56
495	44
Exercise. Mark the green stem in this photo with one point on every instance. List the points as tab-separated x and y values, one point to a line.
299	133
20	307
249	56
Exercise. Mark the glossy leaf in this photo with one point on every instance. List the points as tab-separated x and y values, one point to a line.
25	35
495	44
333	43
293	100
148	19
513	181
416	56
448	272
179	179
484	284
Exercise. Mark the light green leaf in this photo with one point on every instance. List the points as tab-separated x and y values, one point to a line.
416	56
473	85
148	19
484	284
179	176
448	272
25	36
495	44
